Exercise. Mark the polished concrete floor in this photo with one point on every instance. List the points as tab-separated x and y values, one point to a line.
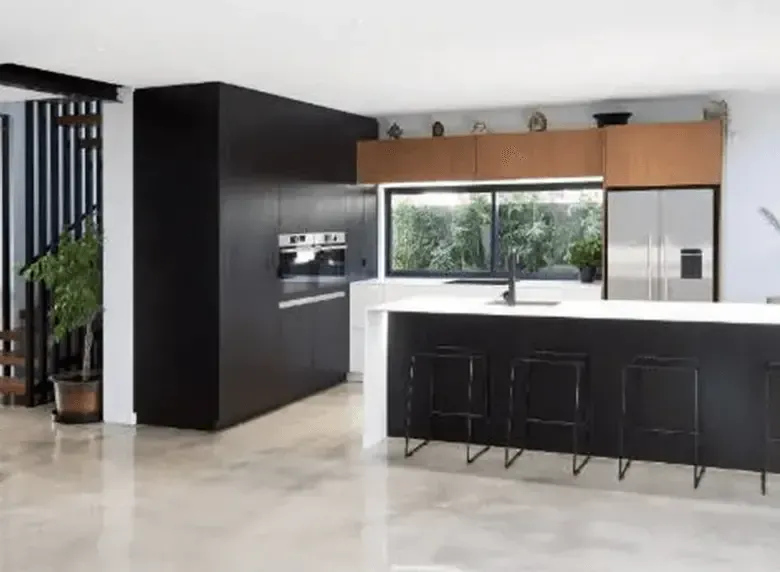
293	491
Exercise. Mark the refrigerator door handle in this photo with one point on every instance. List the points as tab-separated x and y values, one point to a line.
664	271
649	267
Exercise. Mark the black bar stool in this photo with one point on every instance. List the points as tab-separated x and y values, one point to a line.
643	364
470	358
579	364
769	440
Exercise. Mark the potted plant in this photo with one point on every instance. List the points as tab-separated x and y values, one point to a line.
585	254
72	273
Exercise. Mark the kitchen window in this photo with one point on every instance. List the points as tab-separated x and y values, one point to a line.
468	231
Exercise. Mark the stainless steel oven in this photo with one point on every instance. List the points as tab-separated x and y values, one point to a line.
316	256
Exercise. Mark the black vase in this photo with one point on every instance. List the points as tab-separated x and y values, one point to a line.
616	118
587	274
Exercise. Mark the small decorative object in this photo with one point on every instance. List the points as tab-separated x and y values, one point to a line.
395	131
585	254
716	110
479	127
537	121
72	272
616	118
437	130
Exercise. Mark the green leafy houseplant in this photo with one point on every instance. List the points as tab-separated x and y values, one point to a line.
72	273
586	252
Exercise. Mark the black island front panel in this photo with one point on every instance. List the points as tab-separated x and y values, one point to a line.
731	359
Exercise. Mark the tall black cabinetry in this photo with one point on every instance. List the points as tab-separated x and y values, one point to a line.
220	171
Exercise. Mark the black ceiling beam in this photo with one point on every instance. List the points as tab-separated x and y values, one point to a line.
34	79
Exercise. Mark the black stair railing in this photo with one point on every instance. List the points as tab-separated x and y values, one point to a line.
63	190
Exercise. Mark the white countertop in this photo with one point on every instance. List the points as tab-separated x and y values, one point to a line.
706	312
417	281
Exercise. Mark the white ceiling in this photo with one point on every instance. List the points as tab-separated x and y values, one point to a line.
393	56
14	94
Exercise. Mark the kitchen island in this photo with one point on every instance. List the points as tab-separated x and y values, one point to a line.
730	342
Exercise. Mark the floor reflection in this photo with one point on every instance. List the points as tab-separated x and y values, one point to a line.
295	491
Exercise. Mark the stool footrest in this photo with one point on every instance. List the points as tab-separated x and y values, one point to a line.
664	362
552	361
661	431
458	414
556	422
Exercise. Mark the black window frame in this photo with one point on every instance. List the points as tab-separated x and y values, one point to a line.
493	190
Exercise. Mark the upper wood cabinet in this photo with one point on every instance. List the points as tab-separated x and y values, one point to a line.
412	160
540	155
664	154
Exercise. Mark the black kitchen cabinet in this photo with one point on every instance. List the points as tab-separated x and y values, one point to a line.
249	294
314	346
297	351
331	341
312	207
176	257
219	172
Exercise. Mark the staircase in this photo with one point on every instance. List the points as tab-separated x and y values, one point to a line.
12	385
13	359
63	186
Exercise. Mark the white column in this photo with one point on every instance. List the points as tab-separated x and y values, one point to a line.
750	247
118	406
375	379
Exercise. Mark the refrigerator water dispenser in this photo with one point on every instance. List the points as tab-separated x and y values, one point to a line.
691	263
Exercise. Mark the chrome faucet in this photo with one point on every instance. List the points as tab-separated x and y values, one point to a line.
510	296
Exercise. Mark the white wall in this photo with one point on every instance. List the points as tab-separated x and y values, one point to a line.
118	406
750	248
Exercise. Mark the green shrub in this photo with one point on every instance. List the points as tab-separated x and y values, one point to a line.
586	252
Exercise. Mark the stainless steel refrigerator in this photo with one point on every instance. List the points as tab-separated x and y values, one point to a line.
660	245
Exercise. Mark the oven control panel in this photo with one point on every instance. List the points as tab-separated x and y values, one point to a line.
312	239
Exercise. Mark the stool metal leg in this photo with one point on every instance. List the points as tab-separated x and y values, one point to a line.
767	430
622	468
526	381
698	471
470	418
510	418
575	468
408	417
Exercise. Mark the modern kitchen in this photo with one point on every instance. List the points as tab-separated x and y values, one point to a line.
512	351
400	287
539	284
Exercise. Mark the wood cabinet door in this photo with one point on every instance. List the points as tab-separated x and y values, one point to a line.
412	160
540	155
664	154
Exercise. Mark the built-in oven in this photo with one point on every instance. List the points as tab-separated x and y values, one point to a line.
315	256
